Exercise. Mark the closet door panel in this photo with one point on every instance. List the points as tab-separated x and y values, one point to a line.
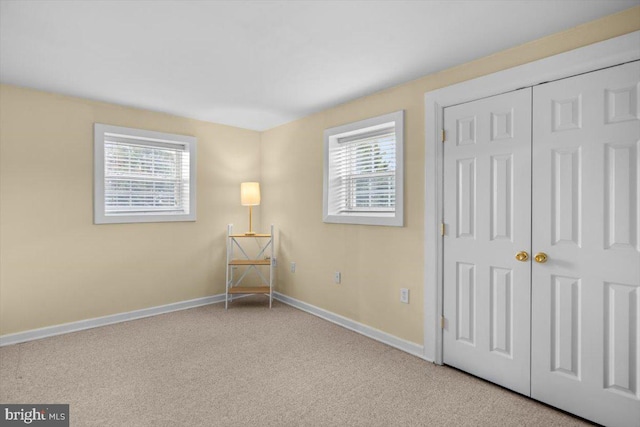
487	214
586	296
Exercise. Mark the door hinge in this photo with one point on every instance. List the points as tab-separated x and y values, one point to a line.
443	229
444	135
442	322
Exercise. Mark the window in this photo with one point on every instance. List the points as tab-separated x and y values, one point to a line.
143	176
363	172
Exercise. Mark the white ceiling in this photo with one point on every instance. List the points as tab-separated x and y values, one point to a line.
258	64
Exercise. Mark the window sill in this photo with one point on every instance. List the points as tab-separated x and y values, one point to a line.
137	218
384	219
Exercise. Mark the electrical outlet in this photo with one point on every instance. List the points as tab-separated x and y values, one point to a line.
404	295
293	267
337	277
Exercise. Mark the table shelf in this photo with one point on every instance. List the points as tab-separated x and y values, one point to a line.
250	290
250	262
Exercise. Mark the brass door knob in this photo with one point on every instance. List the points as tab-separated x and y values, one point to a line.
541	257
522	256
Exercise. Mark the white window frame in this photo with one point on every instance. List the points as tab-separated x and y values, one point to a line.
99	214
331	138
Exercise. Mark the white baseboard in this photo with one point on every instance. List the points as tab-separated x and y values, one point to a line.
50	331
376	334
65	328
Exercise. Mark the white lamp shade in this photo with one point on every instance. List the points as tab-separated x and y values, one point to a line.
250	193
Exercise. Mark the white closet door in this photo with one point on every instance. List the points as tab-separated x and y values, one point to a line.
487	179
586	218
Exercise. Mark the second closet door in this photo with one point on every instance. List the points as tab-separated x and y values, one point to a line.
586	220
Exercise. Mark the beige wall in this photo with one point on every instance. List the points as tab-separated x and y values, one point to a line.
376	261
56	266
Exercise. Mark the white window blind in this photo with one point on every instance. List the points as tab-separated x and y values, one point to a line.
365	165
145	177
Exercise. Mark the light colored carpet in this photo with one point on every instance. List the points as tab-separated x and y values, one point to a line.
251	366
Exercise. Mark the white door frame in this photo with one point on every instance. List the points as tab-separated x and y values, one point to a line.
589	58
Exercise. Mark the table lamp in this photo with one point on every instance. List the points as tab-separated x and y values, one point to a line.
250	196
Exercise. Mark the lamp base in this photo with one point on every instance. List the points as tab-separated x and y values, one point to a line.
250	232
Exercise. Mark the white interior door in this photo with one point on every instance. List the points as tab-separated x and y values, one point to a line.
487	211
586	218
